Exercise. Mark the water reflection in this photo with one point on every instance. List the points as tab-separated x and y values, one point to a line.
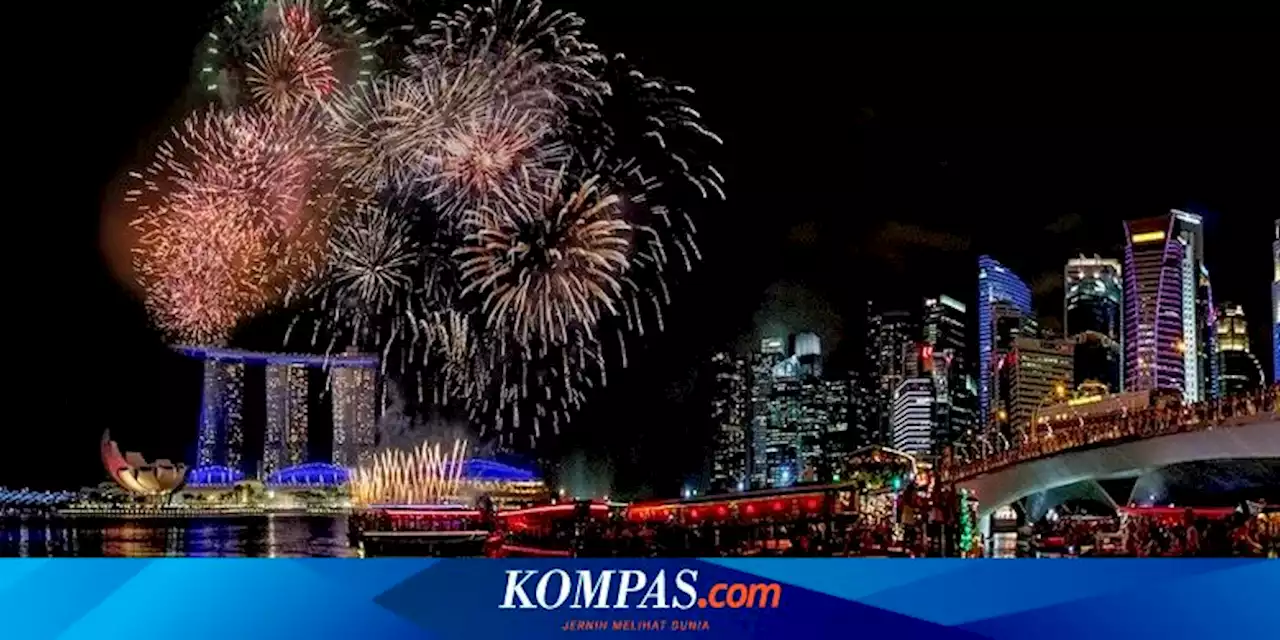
252	536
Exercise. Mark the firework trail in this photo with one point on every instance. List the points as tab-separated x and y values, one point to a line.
428	474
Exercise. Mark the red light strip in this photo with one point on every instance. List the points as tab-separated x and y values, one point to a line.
554	508
534	551
443	513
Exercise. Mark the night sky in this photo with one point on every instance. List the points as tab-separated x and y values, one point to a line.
866	157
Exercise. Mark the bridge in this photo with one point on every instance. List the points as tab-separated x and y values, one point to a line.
1122	444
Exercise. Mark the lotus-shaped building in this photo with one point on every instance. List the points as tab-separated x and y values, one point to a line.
132	472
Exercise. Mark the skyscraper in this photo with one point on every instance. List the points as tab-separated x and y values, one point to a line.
1035	374
771	352
285	438
945	363
221	437
894	340
783	412
1094	304
1166	305
912	417
355	398
730	412
808	354
1206	321
1004	306
835	400
1239	369
1275	306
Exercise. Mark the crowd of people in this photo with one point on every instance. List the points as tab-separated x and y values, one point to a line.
1077	432
1138	534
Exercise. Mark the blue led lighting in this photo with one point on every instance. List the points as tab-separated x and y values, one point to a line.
311	474
324	474
29	498
995	284
213	476
337	360
476	469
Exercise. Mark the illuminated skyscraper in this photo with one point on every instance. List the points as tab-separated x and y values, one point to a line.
1207	320
1037	373
894	344
285	437
772	351
1166	303
221	437
943	360
1094	305
1240	370
1275	306
833	409
1004	307
730	412
355	397
912	419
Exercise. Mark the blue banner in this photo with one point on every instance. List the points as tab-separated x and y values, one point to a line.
314	599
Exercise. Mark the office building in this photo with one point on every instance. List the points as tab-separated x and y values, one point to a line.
771	352
894	342
730	412
912	416
1167	306
1240	370
1275	305
943	359
1094	312
783	412
285	437
839	438
1004	312
1036	373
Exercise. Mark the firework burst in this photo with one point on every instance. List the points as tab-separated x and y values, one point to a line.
291	70
284	51
539	55
373	267
226	220
551	267
428	474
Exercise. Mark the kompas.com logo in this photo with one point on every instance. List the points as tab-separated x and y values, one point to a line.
630	588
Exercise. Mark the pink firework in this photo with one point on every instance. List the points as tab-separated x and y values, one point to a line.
493	156
227	220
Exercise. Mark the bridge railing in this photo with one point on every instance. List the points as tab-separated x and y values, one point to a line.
1080	432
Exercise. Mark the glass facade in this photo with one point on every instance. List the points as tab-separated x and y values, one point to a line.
1167	307
1093	307
1001	294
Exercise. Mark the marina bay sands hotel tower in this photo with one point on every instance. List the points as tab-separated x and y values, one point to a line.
353	383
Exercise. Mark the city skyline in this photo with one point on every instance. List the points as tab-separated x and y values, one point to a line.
951	214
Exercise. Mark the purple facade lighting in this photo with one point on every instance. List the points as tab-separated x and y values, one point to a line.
1154	341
